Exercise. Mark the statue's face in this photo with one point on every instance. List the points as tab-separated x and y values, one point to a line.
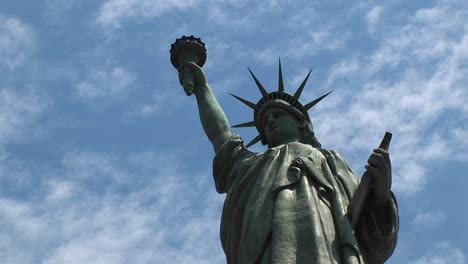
280	127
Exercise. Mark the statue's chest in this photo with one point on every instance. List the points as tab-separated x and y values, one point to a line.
296	150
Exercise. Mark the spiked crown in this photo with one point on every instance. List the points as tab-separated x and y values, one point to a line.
278	98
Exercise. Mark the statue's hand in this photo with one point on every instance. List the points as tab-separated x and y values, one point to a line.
198	75
380	169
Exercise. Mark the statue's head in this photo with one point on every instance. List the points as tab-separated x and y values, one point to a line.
293	122
280	126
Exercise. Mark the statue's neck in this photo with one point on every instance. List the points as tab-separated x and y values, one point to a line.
286	141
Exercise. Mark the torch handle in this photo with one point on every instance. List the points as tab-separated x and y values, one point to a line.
360	196
188	81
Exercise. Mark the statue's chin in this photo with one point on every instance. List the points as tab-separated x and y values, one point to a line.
276	143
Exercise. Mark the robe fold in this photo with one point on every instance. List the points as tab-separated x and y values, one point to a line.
278	213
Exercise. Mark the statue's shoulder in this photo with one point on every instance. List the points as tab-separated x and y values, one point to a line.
330	153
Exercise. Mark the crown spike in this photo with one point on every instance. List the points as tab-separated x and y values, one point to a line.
246	124
259	85
314	102
297	94
248	103
254	141
280	77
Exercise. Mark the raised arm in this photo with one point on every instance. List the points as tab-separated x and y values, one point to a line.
212	116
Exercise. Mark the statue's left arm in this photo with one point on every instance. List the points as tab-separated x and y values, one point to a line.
377	228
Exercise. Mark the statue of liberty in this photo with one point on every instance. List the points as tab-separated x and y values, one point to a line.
289	203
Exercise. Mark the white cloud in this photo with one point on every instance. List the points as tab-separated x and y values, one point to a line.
442	253
458	143
21	213
302	45
428	219
373	18
59	190
314	41
93	166
162	101
410	175
344	69
19	111
226	18
57	12
113	12
86	214
17	42
106	85
299	35
409	88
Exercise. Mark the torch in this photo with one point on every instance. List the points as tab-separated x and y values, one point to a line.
184	50
359	199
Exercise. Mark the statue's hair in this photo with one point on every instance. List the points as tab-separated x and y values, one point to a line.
307	133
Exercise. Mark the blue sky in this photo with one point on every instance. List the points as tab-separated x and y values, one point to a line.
103	159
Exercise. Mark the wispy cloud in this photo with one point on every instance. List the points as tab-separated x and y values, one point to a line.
107	208
106	85
401	69
113	12
298	36
17	42
57	12
19	112
161	102
373	18
442	253
428	219
408	87
302	45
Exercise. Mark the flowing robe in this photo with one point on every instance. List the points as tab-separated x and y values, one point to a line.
277	214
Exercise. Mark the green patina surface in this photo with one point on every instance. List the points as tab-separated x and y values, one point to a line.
289	204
